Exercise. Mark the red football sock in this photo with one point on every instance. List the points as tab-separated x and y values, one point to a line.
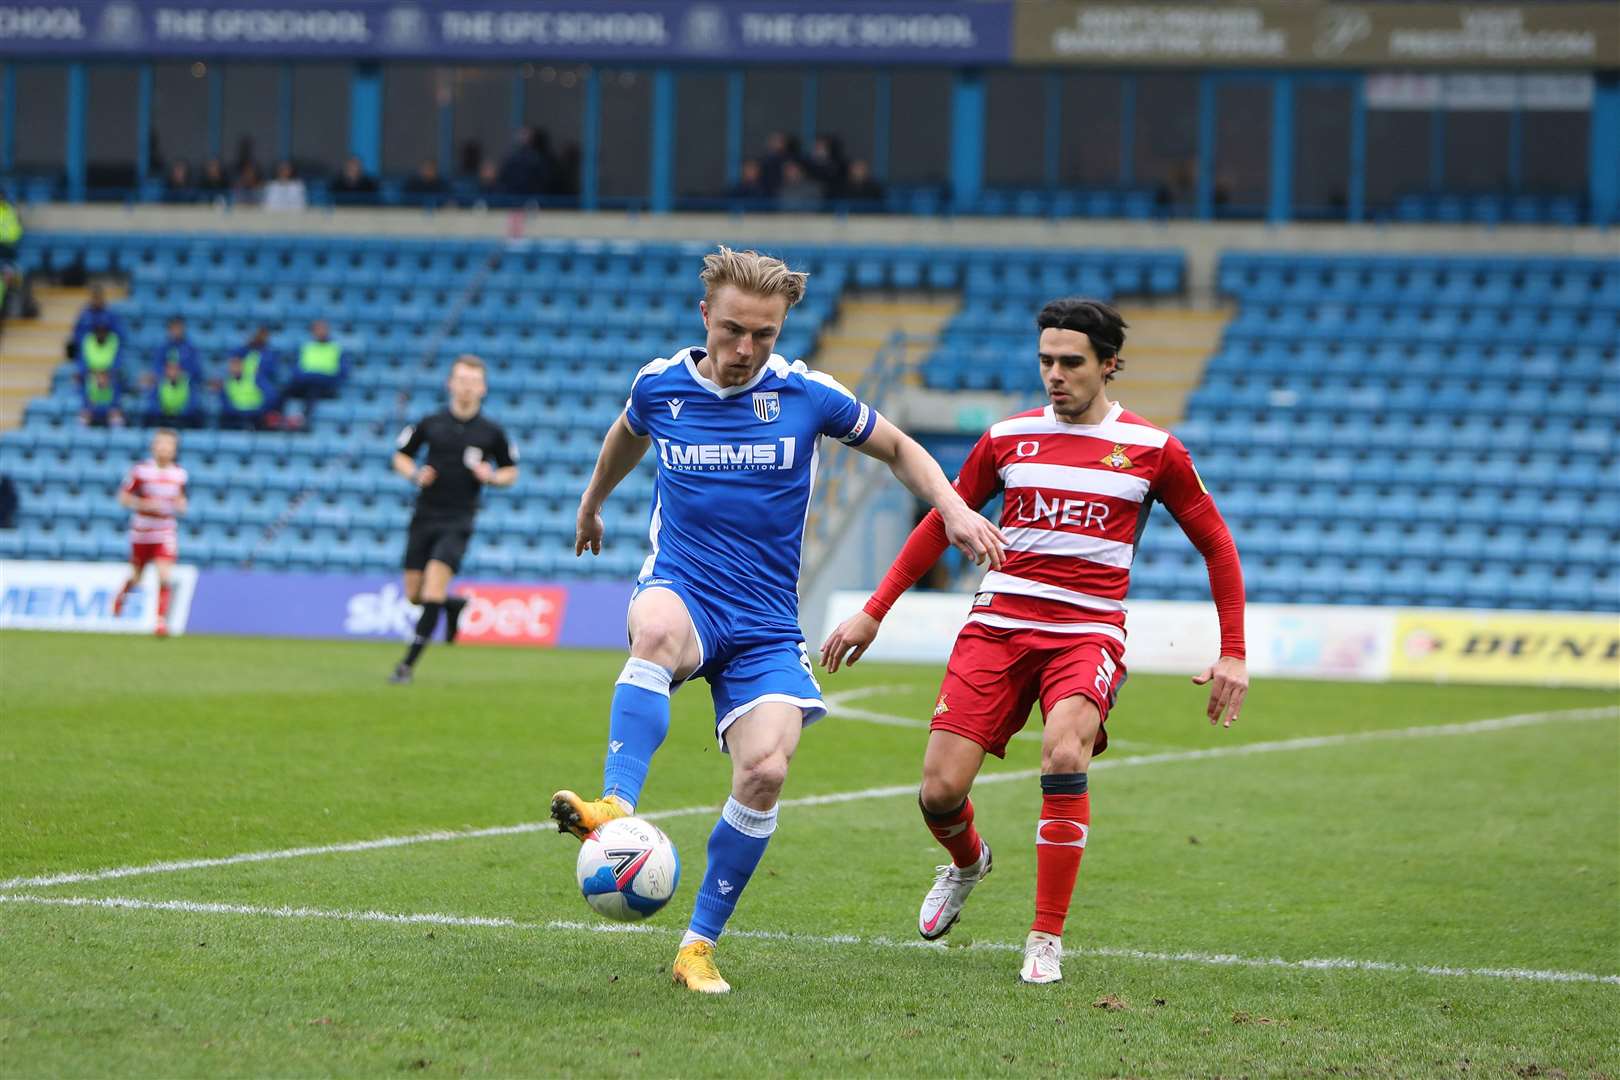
1060	840
163	601
955	832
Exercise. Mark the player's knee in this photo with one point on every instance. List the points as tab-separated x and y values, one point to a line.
760	779
1071	756
941	793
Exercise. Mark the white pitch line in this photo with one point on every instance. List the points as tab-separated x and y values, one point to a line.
1387	967
1499	723
838	705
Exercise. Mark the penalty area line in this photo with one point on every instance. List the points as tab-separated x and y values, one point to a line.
1470	727
1204	959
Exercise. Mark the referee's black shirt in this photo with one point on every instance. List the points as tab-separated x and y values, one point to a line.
453	448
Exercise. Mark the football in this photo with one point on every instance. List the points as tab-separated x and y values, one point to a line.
628	869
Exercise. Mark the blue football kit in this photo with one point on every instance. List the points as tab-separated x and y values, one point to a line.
736	468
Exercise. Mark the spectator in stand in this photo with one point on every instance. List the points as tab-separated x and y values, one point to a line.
524	171
489	179
247	401
318	373
177	349
750	187
565	177
352	185
472	158
862	189
99	407
426	187
178	185
285	194
828	166
780	148
11	231
249	186
9	503
258	358
213	183
798	193
175	400
95	308
101	350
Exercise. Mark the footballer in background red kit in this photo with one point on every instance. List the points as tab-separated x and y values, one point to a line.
155	494
1079	478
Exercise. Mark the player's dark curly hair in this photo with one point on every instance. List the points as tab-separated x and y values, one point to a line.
1101	324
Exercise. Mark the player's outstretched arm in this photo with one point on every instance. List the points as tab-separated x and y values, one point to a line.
621	451
1184	495
927	542
965	528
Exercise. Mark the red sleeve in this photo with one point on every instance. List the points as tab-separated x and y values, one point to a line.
130	484
1182	491
976	483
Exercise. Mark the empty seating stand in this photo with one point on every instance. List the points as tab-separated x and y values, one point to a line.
1412	430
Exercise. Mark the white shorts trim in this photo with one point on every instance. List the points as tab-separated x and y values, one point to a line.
814	709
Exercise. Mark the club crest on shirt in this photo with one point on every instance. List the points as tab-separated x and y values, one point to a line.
1116	458
941	709
767	405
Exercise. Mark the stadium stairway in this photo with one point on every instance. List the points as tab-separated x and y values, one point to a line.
31	349
1166	351
866	324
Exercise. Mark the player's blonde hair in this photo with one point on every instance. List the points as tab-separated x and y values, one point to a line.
467	359
751	272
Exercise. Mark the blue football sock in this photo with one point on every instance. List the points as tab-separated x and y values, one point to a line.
636	727
735	848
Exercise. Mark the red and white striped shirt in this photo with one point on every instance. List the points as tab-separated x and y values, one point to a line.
1077	497
163	486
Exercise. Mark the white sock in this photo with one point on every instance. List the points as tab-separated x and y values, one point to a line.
691	936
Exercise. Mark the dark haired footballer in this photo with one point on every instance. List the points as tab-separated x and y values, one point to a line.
1079	478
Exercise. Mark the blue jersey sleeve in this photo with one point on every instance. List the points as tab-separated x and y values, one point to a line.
843	416
635	407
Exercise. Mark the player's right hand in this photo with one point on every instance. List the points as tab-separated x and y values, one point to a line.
426	475
971	534
588	531
852	637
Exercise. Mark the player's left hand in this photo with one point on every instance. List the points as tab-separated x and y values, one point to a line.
970	533
1230	679
484	471
852	637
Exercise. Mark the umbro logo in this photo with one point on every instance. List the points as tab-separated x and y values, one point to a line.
725	887
614	746
675	408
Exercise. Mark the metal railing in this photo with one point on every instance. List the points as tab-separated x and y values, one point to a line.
847	480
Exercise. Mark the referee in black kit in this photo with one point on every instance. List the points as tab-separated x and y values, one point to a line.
465	451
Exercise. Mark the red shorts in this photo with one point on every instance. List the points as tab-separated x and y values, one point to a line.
141	554
996	675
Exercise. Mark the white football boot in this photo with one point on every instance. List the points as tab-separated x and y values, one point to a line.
1043	959
943	904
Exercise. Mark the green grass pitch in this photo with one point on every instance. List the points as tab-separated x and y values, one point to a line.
1474	872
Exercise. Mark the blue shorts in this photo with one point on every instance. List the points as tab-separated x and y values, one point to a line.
745	665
